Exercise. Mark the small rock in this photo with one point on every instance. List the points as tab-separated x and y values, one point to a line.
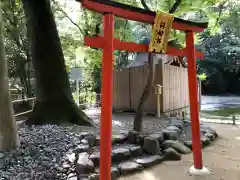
66	165
84	141
72	176
115	173
95	157
206	129
171	155
120	154
82	148
178	146
135	150
48	150
93	177
151	145
210	136
84	134
71	157
205	141
129	167
149	161
170	134
98	141
91	139
84	165
133	136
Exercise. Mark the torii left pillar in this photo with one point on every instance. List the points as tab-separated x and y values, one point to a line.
106	109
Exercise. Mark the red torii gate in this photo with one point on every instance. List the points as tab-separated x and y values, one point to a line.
108	43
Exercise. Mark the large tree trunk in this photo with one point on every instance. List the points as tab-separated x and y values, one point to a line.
54	100
8	132
137	126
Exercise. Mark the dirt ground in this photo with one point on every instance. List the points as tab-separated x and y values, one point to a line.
222	158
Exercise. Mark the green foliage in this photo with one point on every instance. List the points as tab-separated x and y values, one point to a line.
220	42
15	35
222	55
202	77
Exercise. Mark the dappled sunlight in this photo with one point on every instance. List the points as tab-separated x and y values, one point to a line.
238	138
149	176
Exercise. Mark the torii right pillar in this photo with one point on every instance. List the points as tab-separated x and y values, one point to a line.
197	168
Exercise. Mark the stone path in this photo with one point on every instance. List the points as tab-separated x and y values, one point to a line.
222	158
55	152
133	151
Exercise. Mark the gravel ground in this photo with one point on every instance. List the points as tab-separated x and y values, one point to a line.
45	148
41	155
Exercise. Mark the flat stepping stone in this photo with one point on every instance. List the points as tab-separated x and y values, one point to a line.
149	161
178	146
120	154
115	173
84	134
129	167
171	154
135	150
116	139
119	138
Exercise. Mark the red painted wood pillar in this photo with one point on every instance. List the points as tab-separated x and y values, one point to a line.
106	109
193	98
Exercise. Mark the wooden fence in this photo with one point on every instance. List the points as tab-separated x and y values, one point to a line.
175	88
130	82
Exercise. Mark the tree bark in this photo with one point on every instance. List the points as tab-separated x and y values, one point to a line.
54	100
137	125
8	132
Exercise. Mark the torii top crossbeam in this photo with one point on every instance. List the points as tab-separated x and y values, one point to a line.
138	14
108	43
